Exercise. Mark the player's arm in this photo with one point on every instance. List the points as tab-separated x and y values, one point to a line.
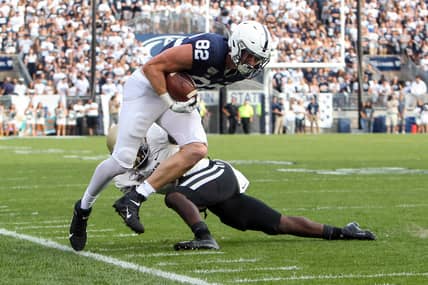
174	59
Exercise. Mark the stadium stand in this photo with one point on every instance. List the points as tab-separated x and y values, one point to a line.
51	39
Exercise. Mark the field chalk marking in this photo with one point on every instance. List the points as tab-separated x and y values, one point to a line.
107	259
331	277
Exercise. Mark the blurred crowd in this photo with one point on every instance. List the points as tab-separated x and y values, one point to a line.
53	39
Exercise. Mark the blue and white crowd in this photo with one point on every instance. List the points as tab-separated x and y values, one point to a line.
53	39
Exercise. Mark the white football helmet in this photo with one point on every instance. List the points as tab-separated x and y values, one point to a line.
254	38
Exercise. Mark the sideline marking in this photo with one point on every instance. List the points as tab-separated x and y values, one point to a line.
107	259
327	277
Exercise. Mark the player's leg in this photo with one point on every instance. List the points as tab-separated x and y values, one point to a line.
255	215
190	214
188	132
135	120
213	183
140	115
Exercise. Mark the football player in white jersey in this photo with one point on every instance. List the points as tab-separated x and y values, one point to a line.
212	60
219	187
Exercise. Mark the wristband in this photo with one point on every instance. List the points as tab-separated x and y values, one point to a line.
167	99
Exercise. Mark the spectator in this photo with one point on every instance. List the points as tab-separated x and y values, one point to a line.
79	108
8	87
109	88
2	118
246	114
71	121
30	120
367	117
114	108
82	85
299	111
401	127
230	110
391	114
12	124
384	91
289	88
274	109
277	80
61	116
20	87
204	113
424	119
342	98
91	111
313	115
290	119
40	119
62	87
418	90
417	111
278	114
30	60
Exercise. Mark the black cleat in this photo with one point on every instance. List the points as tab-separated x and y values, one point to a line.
353	231
128	208
78	226
206	243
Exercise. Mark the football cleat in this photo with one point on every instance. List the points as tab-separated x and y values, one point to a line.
78	227
353	231
128	208
206	243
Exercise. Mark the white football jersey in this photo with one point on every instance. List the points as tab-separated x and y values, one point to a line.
160	148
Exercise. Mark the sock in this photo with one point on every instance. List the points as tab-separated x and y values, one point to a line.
200	230
145	189
103	174
332	233
87	201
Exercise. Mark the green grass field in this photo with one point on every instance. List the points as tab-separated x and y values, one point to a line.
378	180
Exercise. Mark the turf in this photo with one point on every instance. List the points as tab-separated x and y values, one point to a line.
378	180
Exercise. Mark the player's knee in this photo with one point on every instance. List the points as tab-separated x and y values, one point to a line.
194	152
112	166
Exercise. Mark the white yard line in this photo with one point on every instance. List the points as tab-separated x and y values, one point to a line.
37	222
332	277
226	270
327	208
62	237
34	186
107	259
162	254
222	261
57	227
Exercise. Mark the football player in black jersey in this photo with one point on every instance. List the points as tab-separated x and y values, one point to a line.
219	187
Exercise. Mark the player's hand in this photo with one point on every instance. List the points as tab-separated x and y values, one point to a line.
185	107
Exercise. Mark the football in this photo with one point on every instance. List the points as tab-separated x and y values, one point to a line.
180	86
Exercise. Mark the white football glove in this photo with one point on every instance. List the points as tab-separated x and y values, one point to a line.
185	107
180	107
